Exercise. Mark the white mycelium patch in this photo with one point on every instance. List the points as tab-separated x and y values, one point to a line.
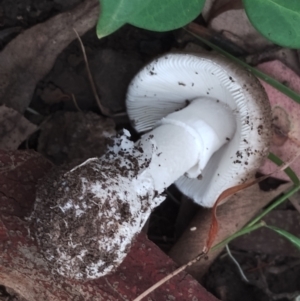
86	218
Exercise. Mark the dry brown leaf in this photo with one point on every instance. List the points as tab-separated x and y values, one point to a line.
230	19
30	56
286	122
14	128
214	226
213	8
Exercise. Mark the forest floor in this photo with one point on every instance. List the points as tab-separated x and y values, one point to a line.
273	272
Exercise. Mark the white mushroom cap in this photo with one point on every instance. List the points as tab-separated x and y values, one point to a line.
170	82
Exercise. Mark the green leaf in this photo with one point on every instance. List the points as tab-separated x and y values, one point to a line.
277	20
115	13
155	15
167	15
292	238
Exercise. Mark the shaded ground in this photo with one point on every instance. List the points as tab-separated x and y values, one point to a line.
114	60
270	277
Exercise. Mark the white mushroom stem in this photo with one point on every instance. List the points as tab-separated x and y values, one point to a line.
185	140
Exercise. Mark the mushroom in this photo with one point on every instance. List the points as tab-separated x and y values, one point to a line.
233	110
208	128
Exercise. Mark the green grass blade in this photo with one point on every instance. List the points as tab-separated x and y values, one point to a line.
271	81
290	173
280	200
292	238
241	232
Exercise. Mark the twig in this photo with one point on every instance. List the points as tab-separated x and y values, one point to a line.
32	111
171	196
75	102
103	109
237	264
168	277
